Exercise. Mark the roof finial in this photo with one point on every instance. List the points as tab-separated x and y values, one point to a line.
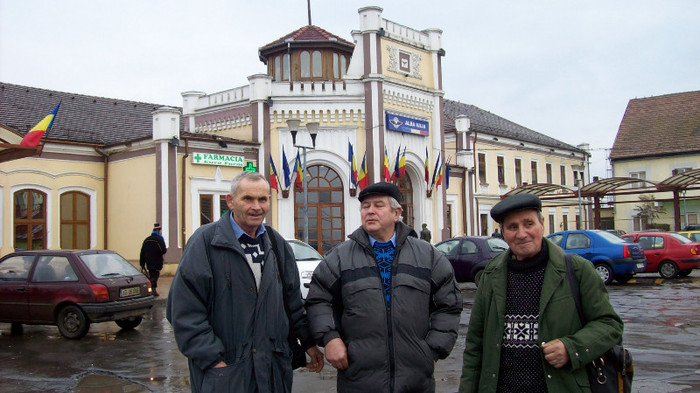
308	5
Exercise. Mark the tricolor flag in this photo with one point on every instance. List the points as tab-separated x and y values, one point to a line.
300	172
439	178
362	178
435	171
34	135
353	166
427	167
396	174
402	163
287	172
273	175
387	174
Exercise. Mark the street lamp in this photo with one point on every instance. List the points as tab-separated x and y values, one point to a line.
312	128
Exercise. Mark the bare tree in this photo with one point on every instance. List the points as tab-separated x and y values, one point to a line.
648	210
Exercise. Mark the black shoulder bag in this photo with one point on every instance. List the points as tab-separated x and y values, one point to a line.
298	353
612	372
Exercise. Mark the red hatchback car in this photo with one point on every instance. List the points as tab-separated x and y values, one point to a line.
668	253
71	289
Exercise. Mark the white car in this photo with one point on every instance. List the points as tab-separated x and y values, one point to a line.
307	260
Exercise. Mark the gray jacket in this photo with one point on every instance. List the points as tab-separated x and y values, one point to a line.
217	314
389	350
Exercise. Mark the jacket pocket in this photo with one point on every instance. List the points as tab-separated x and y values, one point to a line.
232	378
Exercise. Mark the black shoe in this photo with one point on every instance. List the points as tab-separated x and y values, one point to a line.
155	293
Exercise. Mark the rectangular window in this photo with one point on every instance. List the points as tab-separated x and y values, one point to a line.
578	221
501	170
680	170
533	171
484	227
565	222
482	168
518	172
551	223
562	171
206	210
548	167
642	175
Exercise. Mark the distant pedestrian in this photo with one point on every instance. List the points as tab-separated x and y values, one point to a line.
425	233
497	234
151	257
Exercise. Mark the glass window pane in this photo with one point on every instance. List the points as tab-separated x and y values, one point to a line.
325	196
21	204
278	70
343	67
67	206
21	237
313	197
37	237
37	205
82	237
285	67
305	61
82	207
336	66
317	72
223	207
336	211
67	236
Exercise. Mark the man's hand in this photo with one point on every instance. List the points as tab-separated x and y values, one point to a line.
337	354
220	364
555	353
316	363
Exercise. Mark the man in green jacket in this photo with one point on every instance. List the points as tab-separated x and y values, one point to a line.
524	332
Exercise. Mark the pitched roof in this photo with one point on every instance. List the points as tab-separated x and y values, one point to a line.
308	33
487	122
658	126
81	118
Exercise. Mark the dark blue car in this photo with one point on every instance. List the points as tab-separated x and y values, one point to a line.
612	257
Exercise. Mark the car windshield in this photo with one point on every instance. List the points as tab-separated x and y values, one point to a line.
496	244
610	237
680	238
304	252
108	265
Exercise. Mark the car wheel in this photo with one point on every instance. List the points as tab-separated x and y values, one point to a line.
477	276
623	278
684	272
72	322
668	269
128	323
605	272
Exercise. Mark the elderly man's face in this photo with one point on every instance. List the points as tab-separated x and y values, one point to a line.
378	218
523	231
250	204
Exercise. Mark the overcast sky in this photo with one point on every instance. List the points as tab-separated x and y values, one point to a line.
563	68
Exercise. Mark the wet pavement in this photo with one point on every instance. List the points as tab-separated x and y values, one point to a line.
662	330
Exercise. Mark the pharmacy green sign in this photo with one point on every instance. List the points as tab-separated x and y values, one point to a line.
218	159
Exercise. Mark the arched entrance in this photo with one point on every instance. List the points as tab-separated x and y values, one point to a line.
406	187
325	206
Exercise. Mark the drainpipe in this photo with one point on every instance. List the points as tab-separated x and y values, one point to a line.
105	201
183	190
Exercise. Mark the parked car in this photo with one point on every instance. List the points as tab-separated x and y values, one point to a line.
307	259
617	232
668	253
692	235
612	257
72	289
692	227
469	255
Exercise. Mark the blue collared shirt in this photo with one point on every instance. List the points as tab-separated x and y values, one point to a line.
237	231
373	240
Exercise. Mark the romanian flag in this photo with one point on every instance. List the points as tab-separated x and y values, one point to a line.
362	179
300	172
402	163
353	167
427	167
273	175
396	174
439	178
287	172
387	174
34	135
435	171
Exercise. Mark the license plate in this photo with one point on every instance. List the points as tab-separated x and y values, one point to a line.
640	266
126	292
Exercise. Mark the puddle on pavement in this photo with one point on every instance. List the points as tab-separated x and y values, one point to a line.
108	384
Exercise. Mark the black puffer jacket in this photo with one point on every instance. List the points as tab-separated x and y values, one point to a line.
389	350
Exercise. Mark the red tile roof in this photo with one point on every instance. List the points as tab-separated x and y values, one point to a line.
308	33
659	126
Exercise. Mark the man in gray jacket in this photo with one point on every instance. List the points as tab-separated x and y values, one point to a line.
226	300
384	303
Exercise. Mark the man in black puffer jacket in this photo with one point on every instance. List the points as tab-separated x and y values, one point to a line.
384	303
151	258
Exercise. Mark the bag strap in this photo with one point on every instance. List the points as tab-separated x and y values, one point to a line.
280	271
573	284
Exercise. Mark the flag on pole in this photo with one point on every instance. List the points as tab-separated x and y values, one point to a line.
435	171
273	175
396	175
300	172
287	172
427	167
439	178
362	179
447	176
402	163
387	174
353	167
33	137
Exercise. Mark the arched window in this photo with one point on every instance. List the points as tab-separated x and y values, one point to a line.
325	208
406	188
305	62
317	64
30	220
75	220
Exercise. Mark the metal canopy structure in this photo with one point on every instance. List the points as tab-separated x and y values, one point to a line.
689	180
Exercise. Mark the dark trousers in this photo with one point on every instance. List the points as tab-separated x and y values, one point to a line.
153	275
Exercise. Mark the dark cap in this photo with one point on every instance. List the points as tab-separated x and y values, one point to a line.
381	188
514	203
157	227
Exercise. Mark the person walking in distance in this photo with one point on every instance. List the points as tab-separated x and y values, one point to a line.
425	233
151	258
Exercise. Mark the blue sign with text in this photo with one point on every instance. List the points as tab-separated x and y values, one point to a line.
406	124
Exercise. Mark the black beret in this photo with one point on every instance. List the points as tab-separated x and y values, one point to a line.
514	203
157	227
381	188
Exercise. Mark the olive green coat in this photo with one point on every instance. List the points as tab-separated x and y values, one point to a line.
558	319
